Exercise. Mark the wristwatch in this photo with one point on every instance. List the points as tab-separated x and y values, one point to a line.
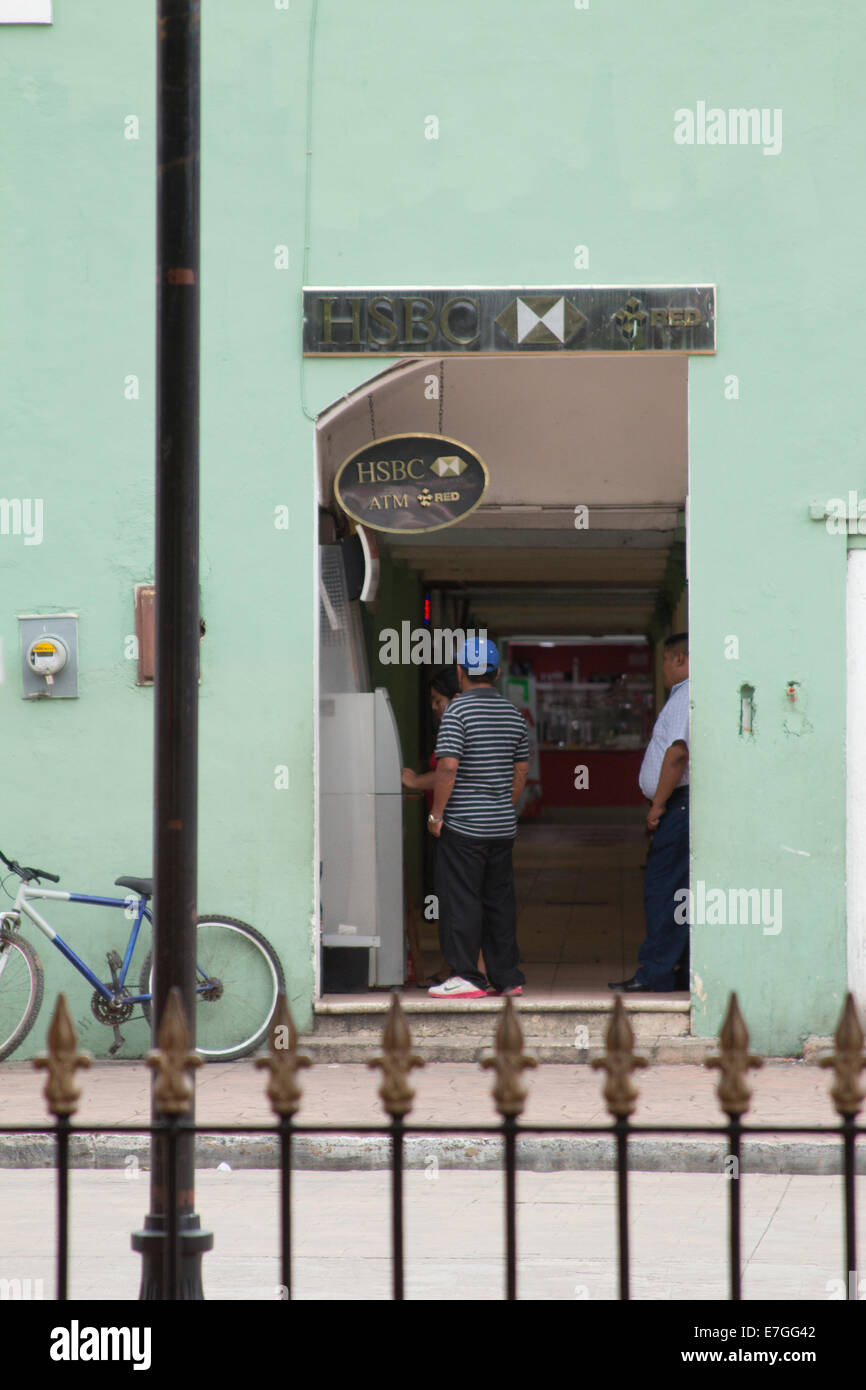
436	820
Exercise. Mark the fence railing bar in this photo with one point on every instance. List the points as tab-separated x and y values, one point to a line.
62	1133
173	1104
851	1279
734	1063
397	1209
508	1062
510	1137
62	1095
848	1062
735	1211
284	1061
285	1131
171	1222
622	1131
720	1131
396	1064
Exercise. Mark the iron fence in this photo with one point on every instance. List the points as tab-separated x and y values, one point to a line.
173	1062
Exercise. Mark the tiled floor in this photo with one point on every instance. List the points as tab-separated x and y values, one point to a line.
580	917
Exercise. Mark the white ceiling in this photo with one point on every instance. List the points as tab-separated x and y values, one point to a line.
609	432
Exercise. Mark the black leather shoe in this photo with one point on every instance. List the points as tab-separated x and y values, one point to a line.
630	987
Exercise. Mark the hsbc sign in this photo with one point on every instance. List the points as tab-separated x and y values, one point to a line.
437	322
411	482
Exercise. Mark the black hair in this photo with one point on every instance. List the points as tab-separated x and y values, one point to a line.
445	682
481	677
678	643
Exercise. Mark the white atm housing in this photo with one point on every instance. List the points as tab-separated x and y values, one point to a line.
361	830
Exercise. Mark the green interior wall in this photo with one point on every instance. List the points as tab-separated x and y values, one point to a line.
399	599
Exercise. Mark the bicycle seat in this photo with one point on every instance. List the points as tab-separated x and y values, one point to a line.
142	886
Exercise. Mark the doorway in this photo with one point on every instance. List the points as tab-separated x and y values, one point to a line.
574	564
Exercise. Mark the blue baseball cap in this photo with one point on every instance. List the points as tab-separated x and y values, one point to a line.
477	657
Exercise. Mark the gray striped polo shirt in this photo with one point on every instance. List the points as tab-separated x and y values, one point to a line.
488	736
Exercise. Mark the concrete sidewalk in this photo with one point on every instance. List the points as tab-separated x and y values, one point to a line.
784	1093
566	1237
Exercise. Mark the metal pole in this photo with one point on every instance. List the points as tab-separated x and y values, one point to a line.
177	612
397	1208
61	1134
849	1153
510	1134
621	1129
735	1255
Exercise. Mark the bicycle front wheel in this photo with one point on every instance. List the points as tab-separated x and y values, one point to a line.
238	978
21	985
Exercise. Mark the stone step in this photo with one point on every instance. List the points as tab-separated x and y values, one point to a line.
567	1023
470	1048
564	1031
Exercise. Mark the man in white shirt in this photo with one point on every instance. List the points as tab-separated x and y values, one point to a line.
664	781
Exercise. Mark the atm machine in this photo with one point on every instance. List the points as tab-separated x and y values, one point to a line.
361	831
360	793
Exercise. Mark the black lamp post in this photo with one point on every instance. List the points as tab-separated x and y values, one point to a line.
169	1274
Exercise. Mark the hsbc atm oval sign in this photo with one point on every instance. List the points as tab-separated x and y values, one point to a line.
411	482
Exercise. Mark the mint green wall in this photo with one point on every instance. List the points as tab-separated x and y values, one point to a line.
556	130
78	286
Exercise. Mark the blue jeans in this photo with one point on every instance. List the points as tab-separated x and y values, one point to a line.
667	871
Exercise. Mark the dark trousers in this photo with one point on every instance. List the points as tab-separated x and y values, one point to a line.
477	908
667	870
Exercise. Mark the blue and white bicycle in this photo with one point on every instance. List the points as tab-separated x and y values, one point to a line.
238	971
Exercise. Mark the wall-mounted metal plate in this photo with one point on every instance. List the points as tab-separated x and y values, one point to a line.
35	626
145	623
569	318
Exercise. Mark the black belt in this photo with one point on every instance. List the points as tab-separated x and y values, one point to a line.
678	791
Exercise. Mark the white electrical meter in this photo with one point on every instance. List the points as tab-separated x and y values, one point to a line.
47	656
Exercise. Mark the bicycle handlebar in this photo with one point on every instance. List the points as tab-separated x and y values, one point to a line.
27	873
42	873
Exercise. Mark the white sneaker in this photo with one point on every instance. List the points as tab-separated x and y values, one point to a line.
456	988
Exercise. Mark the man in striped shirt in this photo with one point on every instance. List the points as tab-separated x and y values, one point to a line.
482	754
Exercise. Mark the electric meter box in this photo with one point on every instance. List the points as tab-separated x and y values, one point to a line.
49	655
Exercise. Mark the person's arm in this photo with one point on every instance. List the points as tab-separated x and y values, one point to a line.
418	781
518	781
443	786
674	764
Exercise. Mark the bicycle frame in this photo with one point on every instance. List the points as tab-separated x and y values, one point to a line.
23	906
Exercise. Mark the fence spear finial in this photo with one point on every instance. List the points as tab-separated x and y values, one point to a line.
509	1060
396	1062
284	1061
172	1059
61	1062
734	1061
619	1061
847	1061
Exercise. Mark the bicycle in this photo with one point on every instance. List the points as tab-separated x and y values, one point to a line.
241	971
